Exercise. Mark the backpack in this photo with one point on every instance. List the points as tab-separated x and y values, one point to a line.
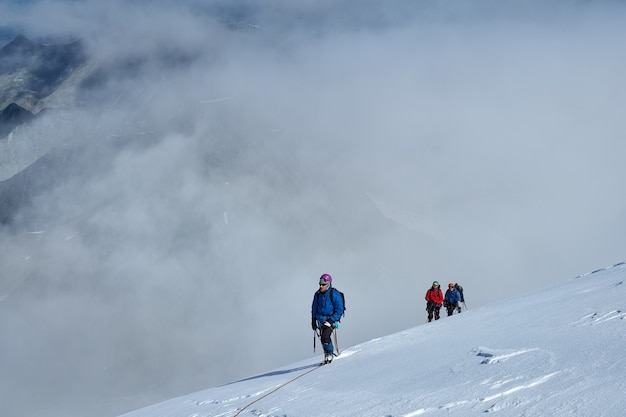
343	300
460	290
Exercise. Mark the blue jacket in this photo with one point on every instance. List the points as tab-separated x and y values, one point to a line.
327	305
452	296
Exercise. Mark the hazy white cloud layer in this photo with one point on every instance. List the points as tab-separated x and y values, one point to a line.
253	148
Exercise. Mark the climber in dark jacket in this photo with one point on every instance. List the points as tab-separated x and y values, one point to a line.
452	299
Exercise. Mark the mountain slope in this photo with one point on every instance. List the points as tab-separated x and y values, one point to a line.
30	72
555	352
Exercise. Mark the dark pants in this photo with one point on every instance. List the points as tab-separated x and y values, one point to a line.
450	308
433	310
325	334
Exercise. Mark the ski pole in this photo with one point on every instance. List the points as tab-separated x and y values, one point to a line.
315	333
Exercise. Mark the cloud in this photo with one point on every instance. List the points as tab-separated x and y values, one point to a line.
231	154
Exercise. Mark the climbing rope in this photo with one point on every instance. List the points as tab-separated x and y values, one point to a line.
277	388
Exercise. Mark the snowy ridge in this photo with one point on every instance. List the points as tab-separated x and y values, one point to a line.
555	352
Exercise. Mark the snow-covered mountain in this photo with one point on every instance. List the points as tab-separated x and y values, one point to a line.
32	73
170	197
555	352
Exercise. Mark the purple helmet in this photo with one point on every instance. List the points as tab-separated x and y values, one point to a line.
326	278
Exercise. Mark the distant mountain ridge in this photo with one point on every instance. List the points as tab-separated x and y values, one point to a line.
31	72
34	77
12	116
38	79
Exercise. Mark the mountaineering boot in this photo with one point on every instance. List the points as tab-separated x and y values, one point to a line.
328	358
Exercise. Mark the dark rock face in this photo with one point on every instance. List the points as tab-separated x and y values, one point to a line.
30	72
12	116
42	67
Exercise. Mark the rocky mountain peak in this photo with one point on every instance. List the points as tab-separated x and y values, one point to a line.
30	72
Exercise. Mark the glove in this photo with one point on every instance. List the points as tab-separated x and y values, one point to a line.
445	304
336	324
314	323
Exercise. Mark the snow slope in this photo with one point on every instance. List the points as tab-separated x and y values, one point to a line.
555	352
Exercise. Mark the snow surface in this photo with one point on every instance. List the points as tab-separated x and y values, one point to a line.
556	352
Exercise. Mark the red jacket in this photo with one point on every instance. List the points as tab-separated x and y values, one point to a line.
434	295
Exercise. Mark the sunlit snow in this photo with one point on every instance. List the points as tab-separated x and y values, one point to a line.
554	352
